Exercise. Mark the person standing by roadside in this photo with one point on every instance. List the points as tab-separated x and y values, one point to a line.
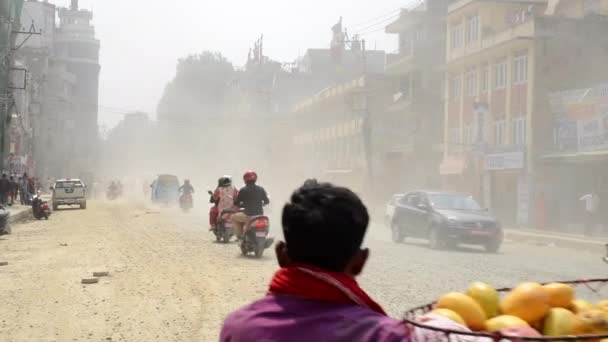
592	203
25	189
5	188
13	190
20	191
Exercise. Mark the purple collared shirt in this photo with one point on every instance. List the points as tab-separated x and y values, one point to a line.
288	318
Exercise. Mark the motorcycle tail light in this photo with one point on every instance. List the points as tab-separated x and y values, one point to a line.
261	224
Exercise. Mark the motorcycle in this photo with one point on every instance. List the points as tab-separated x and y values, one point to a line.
40	208
224	230
112	194
255	239
185	202
5	227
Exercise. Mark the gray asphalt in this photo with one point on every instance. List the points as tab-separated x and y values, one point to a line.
409	274
402	276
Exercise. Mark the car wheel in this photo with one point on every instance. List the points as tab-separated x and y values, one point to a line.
436	241
83	205
492	246
397	233
55	207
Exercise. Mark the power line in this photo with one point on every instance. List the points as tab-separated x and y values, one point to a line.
382	22
376	18
374	22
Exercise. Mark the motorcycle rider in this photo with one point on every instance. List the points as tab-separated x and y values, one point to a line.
223	198
252	198
113	188
187	188
314	295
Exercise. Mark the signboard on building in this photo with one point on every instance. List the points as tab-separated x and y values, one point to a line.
580	119
507	158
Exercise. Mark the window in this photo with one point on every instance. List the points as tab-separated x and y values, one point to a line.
456	36
485	79
500	75
419	34
520	69
454	138
405	44
455	87
499	132
471	82
472	29
519	131
468	135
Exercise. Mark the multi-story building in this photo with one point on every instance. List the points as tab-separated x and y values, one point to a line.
503	58
336	137
77	48
10	12
414	118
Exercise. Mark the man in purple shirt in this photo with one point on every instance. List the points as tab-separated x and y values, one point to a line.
314	296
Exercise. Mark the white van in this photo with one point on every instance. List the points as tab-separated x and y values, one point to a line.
69	192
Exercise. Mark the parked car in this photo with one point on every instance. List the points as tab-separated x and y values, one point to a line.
390	209
445	219
69	192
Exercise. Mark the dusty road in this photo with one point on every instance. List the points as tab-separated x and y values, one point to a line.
170	282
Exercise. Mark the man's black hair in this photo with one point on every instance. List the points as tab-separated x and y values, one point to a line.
324	225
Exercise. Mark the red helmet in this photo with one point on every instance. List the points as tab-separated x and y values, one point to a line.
250	177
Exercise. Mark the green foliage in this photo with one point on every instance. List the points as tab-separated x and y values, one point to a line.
199	89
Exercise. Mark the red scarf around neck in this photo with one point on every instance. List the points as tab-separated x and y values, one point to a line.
316	284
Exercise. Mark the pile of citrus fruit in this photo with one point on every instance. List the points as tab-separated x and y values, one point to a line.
530	309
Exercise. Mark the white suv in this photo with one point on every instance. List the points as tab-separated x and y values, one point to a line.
69	192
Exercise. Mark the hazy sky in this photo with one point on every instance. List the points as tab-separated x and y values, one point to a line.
141	40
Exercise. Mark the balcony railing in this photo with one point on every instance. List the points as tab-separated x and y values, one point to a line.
524	30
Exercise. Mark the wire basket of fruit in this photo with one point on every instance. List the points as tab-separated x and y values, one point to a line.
527	312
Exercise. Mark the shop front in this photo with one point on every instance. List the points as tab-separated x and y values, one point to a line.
506	185
578	162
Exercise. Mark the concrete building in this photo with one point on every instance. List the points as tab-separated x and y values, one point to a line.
414	122
503	59
10	12
339	137
77	48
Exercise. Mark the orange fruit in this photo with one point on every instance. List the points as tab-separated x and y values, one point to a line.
528	301
486	296
447	313
560	295
503	322
465	306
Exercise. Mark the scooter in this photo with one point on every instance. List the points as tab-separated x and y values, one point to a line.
255	239
40	208
5	226
224	230
185	202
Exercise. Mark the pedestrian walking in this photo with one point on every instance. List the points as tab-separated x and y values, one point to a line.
20	191
25	189
592	203
5	188
13	190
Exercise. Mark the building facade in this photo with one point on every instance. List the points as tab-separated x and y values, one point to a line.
502	61
415	114
77	48
10	12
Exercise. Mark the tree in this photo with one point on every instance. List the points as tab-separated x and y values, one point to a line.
199	89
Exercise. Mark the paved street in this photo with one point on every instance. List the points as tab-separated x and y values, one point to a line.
170	282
